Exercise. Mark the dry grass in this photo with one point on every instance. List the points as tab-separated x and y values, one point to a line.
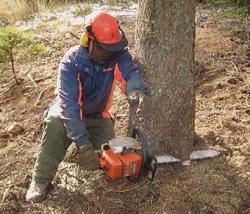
3	11
13	10
83	11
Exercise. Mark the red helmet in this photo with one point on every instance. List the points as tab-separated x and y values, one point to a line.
107	32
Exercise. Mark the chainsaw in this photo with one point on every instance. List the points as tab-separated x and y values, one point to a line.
127	157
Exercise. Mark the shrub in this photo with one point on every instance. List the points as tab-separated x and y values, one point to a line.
13	41
87	9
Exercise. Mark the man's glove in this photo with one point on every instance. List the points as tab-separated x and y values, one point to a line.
135	99
87	157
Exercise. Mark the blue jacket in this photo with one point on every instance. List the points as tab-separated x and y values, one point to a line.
85	88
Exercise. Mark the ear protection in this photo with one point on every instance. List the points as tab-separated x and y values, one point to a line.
84	40
86	35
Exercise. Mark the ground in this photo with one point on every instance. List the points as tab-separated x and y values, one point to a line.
219	185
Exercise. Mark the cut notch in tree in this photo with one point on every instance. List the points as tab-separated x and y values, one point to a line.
165	46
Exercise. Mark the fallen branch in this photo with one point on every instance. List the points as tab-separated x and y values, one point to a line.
41	79
27	72
75	36
12	84
247	97
22	140
32	80
234	66
9	85
40	96
20	86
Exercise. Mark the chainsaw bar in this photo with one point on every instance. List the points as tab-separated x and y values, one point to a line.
195	155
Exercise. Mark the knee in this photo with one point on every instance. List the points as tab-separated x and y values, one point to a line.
54	133
54	123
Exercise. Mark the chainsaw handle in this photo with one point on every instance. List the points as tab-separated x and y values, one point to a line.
137	133
149	165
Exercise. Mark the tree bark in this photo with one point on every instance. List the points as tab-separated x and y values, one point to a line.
165	38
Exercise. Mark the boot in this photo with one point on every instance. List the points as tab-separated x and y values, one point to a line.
37	192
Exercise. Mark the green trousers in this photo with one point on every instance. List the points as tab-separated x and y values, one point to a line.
55	144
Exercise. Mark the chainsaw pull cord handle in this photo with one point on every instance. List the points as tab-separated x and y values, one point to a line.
149	162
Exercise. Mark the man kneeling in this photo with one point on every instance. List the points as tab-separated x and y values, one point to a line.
80	113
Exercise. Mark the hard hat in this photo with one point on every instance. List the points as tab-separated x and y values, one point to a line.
106	31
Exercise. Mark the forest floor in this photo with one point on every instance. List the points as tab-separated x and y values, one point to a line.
219	185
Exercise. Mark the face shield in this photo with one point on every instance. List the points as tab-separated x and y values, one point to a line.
101	55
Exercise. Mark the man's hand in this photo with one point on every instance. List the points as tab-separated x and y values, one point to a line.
87	157
135	99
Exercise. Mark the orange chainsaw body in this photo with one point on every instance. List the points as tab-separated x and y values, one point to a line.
120	165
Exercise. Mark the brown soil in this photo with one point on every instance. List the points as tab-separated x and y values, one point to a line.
219	185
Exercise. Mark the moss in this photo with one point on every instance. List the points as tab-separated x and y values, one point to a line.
234	13
234	9
227	3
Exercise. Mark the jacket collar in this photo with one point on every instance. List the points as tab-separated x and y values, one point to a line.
83	60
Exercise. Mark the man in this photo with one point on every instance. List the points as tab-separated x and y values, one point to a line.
80	113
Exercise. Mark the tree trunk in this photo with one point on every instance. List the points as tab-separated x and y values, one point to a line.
165	47
13	67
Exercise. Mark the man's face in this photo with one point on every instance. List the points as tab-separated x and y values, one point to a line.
101	55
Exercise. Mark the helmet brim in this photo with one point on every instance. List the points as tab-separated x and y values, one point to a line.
117	46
